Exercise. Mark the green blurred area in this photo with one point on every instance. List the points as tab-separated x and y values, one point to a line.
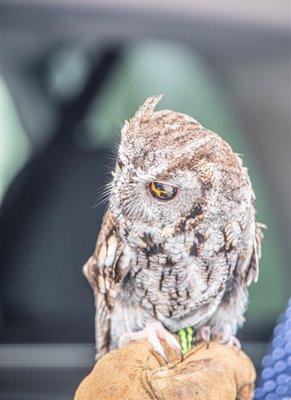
14	145
189	85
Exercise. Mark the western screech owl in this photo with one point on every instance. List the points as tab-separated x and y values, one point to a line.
179	243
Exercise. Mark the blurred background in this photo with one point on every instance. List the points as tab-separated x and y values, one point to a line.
71	72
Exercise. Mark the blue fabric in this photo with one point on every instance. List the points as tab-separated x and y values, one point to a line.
275	380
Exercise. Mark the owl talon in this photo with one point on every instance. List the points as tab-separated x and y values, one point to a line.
225	336
234	342
153	332
204	333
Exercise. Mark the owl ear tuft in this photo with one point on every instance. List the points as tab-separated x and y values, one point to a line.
142	114
147	108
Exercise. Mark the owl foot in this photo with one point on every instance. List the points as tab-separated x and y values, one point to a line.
225	336
204	333
233	342
154	332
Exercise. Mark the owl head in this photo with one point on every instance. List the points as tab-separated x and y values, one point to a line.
168	167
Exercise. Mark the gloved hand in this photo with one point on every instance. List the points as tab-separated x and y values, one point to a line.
135	372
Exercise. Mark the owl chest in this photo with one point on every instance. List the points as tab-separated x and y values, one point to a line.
164	279
178	275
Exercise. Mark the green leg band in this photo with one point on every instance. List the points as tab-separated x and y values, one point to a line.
186	338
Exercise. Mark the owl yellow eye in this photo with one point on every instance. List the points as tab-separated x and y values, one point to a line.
162	191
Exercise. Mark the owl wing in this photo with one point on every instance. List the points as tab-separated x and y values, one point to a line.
247	267
104	270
